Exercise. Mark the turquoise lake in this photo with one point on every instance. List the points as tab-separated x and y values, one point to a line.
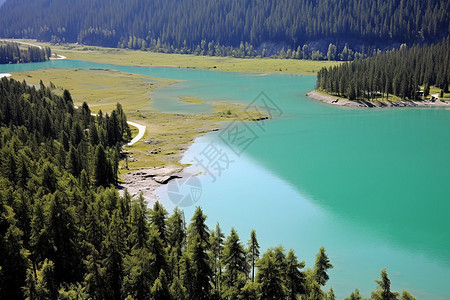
371	185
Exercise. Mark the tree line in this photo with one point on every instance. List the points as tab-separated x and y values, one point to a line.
187	25
12	53
398	72
66	233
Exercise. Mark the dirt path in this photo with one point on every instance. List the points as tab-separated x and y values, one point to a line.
140	134
140	127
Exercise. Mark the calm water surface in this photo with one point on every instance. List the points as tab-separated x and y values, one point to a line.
371	185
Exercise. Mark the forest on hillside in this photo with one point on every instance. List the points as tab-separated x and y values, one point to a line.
188	26
11	52
398	72
66	233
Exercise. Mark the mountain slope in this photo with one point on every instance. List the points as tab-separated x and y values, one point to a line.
186	23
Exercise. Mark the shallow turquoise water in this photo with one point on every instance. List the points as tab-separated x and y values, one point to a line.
372	186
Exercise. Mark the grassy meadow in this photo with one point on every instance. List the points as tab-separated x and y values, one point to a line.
167	135
145	58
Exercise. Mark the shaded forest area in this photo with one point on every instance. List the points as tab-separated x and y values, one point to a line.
219	27
66	233
12	53
398	72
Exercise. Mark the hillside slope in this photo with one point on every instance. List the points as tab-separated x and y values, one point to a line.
189	24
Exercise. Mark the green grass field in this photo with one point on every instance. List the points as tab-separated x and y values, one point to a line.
167	135
146	58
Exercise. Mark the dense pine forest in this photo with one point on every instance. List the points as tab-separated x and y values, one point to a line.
11	52
66	233
398	72
213	27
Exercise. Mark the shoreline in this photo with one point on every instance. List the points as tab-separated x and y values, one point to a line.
337	101
139	58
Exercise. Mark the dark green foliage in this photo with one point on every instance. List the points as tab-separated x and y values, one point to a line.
198	247
13	260
383	291
398	72
216	243
102	169
321	267
270	276
158	216
114	248
235	264
407	296
160	289
354	296
177	290
11	53
295	279
253	252
212	28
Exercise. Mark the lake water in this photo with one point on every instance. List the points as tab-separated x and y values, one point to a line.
371	185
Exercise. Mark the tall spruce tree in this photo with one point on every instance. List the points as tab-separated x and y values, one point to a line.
253	252
321	267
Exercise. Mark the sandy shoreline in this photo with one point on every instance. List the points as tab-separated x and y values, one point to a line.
334	100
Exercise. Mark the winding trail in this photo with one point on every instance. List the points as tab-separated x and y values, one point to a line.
140	127
140	134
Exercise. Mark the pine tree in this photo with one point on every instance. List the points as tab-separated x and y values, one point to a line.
139	224
216	242
354	296
94	279
383	291
41	284
201	269
114	250
160	289
253	252
331	295
198	227
101	167
176	237
295	279
13	260
270	277
158	216
157	250
321	266
177	290
138	274
407	296
234	261
63	238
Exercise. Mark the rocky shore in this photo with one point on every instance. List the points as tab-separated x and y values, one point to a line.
149	179
333	100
